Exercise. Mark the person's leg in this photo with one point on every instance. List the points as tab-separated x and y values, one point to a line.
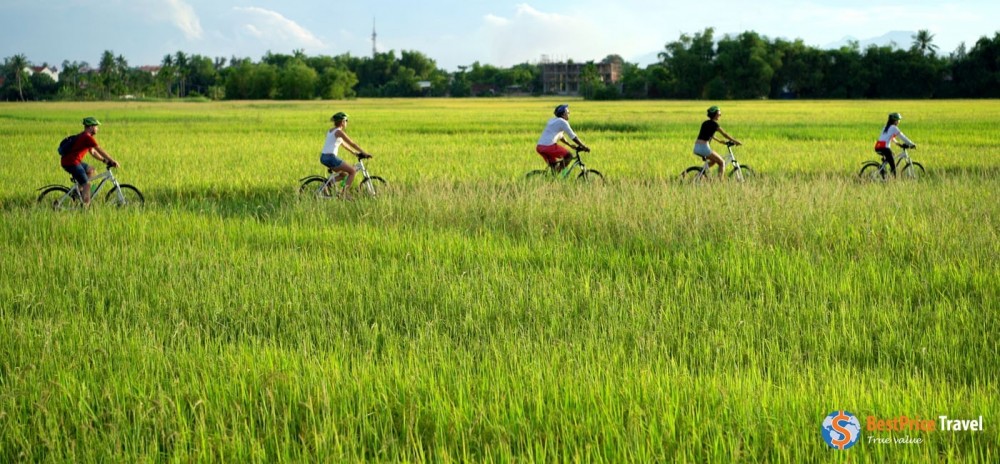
888	158
80	176
348	170
715	159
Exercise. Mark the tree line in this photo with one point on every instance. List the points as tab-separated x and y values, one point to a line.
696	66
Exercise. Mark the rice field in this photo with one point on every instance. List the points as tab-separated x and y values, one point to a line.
467	314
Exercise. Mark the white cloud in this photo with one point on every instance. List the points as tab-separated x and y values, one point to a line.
531	33
184	18
272	26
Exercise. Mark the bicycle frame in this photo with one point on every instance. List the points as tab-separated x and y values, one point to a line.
320	185
737	169
103	177
902	161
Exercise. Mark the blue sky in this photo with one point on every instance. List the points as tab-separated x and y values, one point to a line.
455	33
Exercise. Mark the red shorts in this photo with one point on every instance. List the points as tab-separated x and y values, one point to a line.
552	153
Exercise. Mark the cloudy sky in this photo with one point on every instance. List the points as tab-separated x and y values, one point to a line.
457	32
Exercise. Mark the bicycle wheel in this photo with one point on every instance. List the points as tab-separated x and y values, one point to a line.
912	170
692	174
313	186
372	185
537	174
590	175
129	196
744	173
871	171
56	197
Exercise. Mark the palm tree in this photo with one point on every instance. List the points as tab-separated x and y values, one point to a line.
922	42
16	65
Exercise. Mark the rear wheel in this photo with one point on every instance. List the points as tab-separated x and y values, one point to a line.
313	186
871	171
56	197
743	173
591	175
373	185
692	174
537	174
913	170
125	195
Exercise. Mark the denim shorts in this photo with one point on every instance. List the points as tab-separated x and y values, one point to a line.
703	150
79	172
330	160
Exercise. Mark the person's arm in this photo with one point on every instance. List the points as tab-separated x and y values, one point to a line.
351	146
103	156
726	136
905	140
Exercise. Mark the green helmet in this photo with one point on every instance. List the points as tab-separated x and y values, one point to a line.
895	116
713	110
340	116
91	121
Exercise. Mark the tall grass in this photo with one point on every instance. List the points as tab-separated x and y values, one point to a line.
470	315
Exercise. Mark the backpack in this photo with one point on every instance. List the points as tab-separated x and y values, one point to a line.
66	145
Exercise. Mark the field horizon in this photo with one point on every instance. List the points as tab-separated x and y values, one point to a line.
467	314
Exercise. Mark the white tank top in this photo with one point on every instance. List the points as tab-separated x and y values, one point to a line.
332	144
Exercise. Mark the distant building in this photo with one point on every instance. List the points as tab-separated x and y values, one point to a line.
50	71
564	78
153	70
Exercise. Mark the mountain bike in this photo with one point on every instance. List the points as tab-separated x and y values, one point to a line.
60	196
328	187
586	174
740	172
905	166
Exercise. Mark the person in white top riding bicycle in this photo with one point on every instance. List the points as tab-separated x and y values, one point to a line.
558	130
707	134
885	139
336	137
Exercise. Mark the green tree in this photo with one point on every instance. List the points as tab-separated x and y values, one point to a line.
922	42
297	81
14	72
337	83
690	61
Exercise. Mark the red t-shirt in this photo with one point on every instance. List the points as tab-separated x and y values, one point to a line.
84	142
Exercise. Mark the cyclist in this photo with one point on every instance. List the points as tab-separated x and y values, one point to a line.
557	130
336	137
707	134
72	161
885	139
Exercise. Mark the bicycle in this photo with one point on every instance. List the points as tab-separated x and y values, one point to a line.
879	170
60	196
326	187
586	174
740	172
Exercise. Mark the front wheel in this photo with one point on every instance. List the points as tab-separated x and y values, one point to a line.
372	185
125	195
692	174
57	197
913	170
872	171
743	173
590	175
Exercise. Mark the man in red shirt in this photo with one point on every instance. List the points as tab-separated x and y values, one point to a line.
72	161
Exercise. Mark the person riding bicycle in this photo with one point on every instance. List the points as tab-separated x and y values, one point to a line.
707	134
885	139
72	161
336	137
557	130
